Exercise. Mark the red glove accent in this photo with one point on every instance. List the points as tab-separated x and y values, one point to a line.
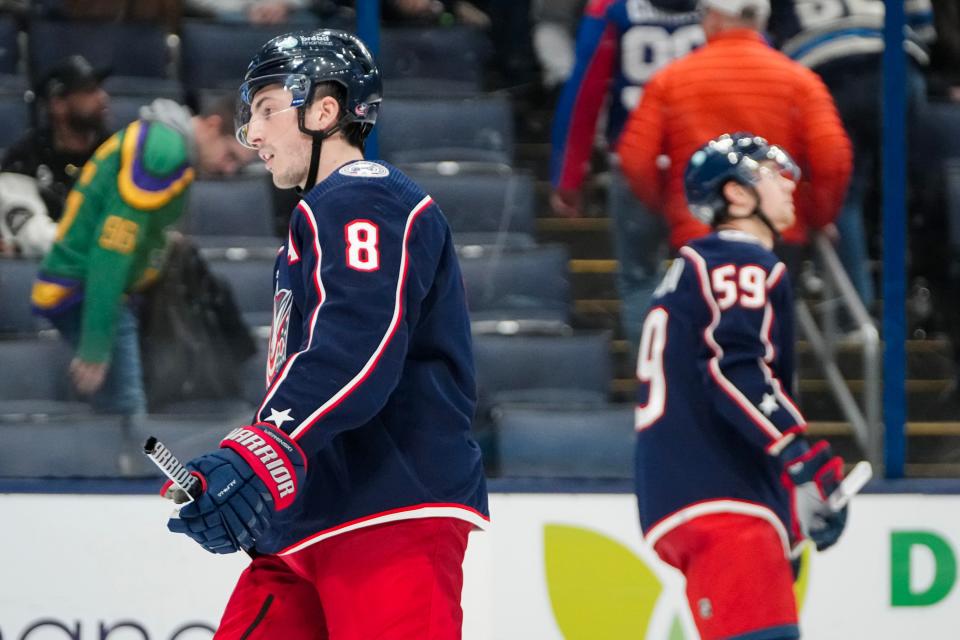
276	459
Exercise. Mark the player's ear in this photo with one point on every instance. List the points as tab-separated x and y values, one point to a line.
323	113
736	194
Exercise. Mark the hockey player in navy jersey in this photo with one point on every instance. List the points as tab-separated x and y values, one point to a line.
357	483
727	485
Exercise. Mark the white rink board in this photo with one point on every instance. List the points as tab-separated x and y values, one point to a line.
92	560
849	591
87	561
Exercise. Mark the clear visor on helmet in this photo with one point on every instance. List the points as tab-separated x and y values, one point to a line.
254	104
784	164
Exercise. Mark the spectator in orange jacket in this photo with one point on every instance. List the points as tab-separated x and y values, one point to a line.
735	82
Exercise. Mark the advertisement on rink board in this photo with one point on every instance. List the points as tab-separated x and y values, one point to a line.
552	566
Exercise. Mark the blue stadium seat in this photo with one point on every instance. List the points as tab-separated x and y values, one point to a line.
237	247
482	203
951	170
9	47
73	447
143	87
429	130
572	371
524	289
16	281
215	55
128	94
34	381
14	85
557	442
421	61
933	137
124	110
557	369
251	281
467	241
184	435
15	116
98	446
241	206
104	44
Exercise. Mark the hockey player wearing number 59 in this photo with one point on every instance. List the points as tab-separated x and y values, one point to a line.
727	485
357	483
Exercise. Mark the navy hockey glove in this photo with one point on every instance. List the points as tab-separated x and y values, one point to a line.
811	474
257	472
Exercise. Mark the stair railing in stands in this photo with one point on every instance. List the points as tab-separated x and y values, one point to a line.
865	420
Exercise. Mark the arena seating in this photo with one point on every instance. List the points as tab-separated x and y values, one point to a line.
34	384
476	129
561	369
16	281
563	442
15	116
251	280
481	205
239	206
9	49
528	289
431	62
103	44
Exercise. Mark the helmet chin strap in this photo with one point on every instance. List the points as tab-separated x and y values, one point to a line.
761	215
757	211
318	137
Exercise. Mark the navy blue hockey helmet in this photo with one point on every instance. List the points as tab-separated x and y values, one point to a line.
300	61
729	157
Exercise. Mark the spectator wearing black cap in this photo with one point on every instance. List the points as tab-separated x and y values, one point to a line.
71	125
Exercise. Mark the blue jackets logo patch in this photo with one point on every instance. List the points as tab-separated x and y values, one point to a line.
277	349
365	169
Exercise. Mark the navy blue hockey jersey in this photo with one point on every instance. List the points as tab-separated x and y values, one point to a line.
714	370
620	45
817	32
370	364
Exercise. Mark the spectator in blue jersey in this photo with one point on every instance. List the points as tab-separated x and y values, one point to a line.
842	40
727	484
357	483
620	45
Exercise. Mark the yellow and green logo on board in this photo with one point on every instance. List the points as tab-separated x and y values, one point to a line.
601	590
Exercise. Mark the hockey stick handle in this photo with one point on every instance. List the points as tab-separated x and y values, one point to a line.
851	485
173	468
181	477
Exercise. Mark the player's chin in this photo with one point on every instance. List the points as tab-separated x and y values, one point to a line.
787	220
281	181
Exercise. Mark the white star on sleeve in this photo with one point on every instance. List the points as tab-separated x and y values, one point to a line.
769	404
279	417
